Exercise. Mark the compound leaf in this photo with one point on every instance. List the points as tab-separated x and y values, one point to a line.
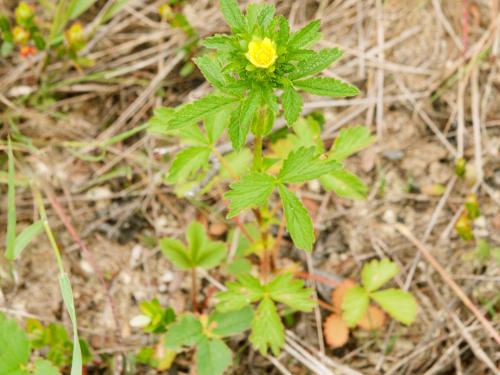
303	165
176	252
246	290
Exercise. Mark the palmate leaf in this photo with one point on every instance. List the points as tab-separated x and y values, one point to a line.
305	36
292	104
354	305
304	165
176	253
213	356
344	184
397	303
376	273
246	290
253	190
190	113
267	329
298	221
232	14
325	86
291	292
316	63
350	141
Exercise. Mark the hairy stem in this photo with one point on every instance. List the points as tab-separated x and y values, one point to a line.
194	287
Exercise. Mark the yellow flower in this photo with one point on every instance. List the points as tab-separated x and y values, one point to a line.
262	52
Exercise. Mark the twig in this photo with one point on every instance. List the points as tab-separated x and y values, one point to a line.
447	278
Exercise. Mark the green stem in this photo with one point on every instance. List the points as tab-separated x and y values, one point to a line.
257	154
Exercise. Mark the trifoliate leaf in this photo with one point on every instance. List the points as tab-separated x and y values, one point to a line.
188	162
303	165
242	118
292	104
376	273
239	294
212	356
316	63
232	14
298	222
354	305
350	141
253	190
305	36
190	113
325	86
291	292
397	303
233	322
267	328
44	367
187	331
212	71
14	347
176	252
344	184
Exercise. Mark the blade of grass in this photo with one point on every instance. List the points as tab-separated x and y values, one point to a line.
26	236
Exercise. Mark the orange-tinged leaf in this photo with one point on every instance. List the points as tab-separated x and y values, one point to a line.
336	331
339	293
373	319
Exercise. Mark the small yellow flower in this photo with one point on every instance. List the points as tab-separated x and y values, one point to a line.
262	52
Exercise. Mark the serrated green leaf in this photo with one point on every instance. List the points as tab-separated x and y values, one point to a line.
190	113
292	104
187	331
304	165
344	184
14	346
212	71
316	63
10	238
213	356
283	31
298	221
188	162
246	290
354	305
26	236
350	141
305	36
176	253
291	292
44	367
259	15
376	273
220	42
325	86
232	14
253	190
216	124
242	118
267	329
397	303
240	163
233	322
